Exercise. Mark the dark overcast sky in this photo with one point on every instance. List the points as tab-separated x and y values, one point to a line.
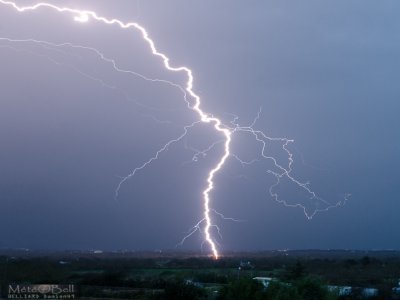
324	72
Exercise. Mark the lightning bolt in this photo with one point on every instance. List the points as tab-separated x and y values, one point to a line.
84	16
155	157
226	131
104	58
59	48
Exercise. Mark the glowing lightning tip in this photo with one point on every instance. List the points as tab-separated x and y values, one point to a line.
82	18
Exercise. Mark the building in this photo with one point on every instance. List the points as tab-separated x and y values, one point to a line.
265	281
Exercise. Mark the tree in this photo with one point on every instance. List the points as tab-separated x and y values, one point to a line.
243	289
307	288
177	290
311	288
365	261
280	291
296	272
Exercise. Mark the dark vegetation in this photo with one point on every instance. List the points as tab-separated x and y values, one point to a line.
297	275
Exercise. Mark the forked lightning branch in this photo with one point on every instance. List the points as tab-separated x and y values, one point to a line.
227	131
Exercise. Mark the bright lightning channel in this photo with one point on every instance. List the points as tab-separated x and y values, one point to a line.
59	48
84	16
